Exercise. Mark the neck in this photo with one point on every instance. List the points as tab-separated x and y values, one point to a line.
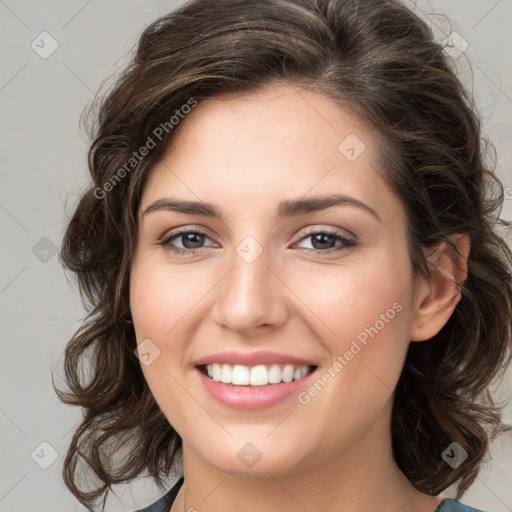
363	476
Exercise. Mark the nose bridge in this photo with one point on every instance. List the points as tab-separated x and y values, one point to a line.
250	295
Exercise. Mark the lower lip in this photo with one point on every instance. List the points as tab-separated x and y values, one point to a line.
251	397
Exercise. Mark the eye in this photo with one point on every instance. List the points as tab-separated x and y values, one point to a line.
191	241
325	241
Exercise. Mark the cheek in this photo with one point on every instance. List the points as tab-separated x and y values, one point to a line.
161	299
161	303
158	300
365	319
373	293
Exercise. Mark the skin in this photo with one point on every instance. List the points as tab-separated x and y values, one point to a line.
245	154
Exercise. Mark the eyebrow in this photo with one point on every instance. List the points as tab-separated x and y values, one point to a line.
289	208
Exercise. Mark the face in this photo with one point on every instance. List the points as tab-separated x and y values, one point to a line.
270	289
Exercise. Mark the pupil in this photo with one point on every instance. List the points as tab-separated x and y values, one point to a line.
189	238
321	238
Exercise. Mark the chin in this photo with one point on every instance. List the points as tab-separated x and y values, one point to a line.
257	458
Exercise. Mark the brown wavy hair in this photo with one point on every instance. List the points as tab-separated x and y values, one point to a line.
375	58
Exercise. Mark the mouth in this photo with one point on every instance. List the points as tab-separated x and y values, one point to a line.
254	385
258	375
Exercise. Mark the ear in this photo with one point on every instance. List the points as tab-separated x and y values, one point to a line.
437	296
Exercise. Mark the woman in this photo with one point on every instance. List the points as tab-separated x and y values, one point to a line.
289	253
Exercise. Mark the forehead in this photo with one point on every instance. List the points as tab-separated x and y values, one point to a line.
258	148
280	119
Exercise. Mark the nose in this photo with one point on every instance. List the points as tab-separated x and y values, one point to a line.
251	297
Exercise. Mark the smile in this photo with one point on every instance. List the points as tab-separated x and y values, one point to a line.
259	375
253	379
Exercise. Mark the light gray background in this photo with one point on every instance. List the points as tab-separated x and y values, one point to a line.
44	161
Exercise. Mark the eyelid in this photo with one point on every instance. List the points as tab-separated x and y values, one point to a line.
306	231
344	233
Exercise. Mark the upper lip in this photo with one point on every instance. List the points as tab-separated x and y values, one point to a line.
253	358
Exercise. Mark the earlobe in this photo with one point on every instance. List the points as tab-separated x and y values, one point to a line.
437	297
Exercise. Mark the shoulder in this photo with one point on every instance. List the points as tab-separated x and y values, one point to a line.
164	503
450	505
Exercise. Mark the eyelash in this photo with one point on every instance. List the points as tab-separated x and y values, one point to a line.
347	243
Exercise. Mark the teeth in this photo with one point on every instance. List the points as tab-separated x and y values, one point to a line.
259	375
216	371
240	375
274	374
226	374
287	374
